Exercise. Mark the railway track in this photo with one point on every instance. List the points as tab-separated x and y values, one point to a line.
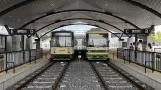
114	78
80	75
46	78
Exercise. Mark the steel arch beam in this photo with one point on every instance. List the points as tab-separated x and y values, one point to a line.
144	7
76	24
80	10
100	21
15	7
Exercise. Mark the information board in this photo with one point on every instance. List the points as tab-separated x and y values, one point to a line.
136	31
22	31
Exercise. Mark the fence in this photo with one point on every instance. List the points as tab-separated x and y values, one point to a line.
151	60
13	59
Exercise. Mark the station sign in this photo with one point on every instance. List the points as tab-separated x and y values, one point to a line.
23	31
136	31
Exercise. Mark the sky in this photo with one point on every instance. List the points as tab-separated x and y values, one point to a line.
77	27
158	28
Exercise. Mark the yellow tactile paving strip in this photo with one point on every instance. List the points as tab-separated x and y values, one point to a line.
1	73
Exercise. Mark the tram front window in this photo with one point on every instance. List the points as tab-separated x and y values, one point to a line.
98	40
61	41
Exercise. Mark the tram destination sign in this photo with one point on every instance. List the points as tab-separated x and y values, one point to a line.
23	31
136	31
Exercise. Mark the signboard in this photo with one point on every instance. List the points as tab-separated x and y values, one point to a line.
22	31
136	31
97	34
37	39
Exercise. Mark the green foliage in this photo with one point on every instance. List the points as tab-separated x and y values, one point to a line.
153	37
157	37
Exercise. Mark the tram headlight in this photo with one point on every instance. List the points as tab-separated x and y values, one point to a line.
54	50
69	50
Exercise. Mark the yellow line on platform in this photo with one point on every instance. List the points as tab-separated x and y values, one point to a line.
1	73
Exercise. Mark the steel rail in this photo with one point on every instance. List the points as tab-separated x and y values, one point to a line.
28	81
99	76
61	75
126	77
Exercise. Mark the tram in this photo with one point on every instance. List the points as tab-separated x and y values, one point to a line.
62	45
97	43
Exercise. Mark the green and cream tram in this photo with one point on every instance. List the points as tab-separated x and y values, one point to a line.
62	45
97	43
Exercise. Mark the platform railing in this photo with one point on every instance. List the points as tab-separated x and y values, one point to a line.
13	59
151	60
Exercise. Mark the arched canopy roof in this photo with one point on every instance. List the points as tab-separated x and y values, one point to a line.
123	14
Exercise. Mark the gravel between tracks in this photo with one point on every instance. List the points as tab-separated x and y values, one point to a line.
80	76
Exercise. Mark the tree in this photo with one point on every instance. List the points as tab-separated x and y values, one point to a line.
159	37
156	38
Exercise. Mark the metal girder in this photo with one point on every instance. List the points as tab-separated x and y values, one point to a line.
80	10
58	21
15	7
151	28
144	7
7	28
121	36
101	21
37	36
76	24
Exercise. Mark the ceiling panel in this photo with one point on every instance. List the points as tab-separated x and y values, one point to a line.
37	8
4	4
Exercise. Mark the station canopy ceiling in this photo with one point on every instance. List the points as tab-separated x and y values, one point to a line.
119	13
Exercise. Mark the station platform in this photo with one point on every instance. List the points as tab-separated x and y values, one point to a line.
152	79
10	78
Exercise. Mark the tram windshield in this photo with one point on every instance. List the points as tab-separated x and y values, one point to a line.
98	40
61	40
